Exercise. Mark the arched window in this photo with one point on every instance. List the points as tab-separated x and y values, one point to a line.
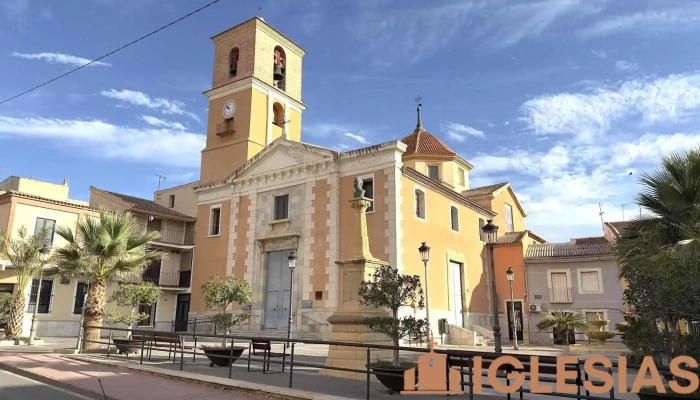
279	71
233	62
454	218
278	114
420	204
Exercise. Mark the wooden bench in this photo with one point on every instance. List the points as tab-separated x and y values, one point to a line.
160	340
266	347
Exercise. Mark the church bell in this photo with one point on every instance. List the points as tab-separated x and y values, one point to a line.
278	74
233	68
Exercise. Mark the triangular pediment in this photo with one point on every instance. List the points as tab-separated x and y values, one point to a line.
282	155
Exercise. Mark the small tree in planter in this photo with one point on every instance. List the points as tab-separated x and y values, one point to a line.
128	295
561	323
221	292
389	289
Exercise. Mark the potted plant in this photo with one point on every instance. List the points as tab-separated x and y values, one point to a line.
128	295
221	292
389	289
561	323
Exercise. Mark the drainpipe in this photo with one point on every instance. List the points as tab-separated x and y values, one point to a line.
527	291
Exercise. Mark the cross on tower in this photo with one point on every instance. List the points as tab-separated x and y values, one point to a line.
418	100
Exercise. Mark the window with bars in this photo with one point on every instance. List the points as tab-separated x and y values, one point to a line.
7	288
150	310
45	298
590	282
45	227
79	300
420	204
281	207
454	218
215	221
434	172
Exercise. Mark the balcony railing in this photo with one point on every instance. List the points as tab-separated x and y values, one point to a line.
167	279
172	236
560	295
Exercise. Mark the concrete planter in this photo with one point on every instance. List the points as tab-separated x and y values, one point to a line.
7	342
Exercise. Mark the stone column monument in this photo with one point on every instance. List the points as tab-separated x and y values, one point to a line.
348	321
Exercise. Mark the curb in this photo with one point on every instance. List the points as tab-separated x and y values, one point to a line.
54	383
230	385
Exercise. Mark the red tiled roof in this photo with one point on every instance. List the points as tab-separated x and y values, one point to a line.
480	191
516	237
564	250
149	207
590	240
424	143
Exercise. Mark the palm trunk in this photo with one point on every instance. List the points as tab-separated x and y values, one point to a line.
16	318
94	314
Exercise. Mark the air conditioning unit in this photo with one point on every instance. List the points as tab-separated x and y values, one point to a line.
536	307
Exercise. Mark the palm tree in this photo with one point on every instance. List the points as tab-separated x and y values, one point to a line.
561	322
24	254
100	251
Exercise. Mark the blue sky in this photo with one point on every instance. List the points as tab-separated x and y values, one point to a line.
563	98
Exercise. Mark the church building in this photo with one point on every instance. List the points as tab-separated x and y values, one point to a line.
264	193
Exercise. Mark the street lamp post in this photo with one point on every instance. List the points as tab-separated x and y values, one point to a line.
425	256
510	274
292	259
44	254
491	232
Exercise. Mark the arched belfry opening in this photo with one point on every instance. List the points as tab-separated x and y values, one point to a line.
233	62
279	70
278	114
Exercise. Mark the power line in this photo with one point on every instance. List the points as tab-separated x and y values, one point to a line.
112	52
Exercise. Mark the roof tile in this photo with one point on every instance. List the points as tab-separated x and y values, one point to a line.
424	143
148	206
563	250
480	191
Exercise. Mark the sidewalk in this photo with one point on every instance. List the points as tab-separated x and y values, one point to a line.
119	384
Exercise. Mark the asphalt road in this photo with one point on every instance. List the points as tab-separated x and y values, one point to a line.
15	387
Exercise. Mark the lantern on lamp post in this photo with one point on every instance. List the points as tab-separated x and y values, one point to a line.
425	256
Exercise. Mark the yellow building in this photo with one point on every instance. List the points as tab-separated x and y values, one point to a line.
263	194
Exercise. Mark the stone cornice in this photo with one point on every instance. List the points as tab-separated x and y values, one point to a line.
259	23
255	83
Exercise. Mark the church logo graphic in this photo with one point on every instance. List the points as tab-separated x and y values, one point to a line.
433	377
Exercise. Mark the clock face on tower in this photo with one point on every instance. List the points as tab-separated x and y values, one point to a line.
229	109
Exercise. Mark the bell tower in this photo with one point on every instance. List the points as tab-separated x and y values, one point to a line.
255	96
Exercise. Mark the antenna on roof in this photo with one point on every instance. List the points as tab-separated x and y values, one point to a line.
260	12
160	178
602	224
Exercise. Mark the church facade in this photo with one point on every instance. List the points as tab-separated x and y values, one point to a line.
263	194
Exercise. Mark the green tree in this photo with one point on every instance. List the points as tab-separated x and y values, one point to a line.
128	295
222	291
5	307
389	289
101	250
23	252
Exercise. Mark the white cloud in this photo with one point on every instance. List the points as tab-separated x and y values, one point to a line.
356	137
648	21
155	103
162	123
599	53
58	58
407	34
587	115
99	138
623	65
459	132
15	8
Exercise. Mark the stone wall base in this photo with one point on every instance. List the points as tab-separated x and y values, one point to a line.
348	328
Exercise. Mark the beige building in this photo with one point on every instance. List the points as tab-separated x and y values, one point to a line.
264	194
36	205
173	273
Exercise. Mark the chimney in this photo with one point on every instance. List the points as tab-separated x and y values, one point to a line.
65	182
